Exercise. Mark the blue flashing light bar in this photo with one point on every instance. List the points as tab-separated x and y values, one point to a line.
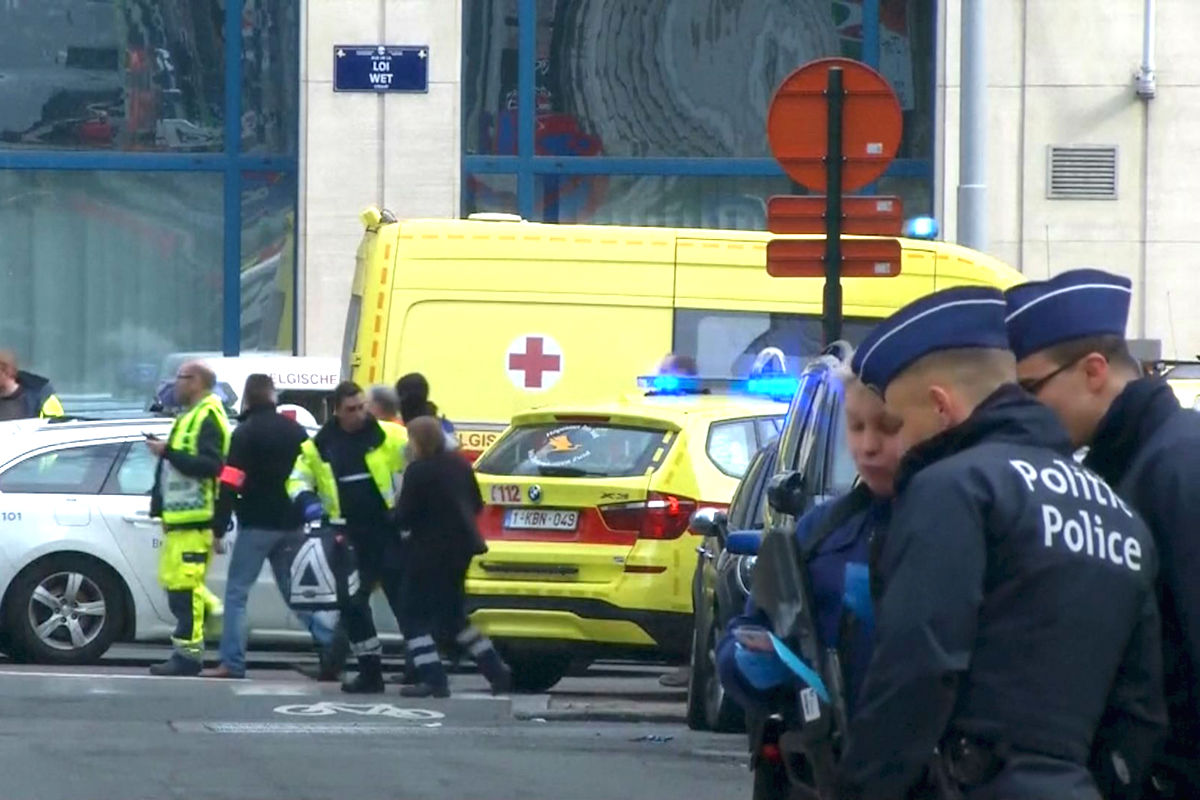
773	386
921	228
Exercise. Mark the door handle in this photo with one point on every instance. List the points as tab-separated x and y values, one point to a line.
142	520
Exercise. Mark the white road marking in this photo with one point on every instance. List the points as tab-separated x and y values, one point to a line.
351	728
274	690
325	709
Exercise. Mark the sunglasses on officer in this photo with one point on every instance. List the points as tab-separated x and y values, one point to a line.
1035	385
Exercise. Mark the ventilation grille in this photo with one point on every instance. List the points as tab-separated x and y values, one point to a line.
1082	173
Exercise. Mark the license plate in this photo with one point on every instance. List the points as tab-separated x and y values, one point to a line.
541	519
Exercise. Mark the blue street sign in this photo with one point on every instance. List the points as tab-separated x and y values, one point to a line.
380	68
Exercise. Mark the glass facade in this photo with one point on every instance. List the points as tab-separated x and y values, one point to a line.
147	186
654	111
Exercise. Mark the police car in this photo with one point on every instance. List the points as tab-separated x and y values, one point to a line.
587	514
810	464
78	550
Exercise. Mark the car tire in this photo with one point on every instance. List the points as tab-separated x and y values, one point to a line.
697	719
535	671
721	713
65	609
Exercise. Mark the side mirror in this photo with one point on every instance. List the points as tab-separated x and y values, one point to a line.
743	543
708	522
786	493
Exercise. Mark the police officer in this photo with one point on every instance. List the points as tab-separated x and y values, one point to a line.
24	395
1069	336
348	472
184	497
1016	600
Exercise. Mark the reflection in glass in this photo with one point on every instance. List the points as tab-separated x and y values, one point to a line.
268	261
494	193
660	200
105	273
270	75
122	74
682	78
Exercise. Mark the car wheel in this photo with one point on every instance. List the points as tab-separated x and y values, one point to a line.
535	671
721	713
64	610
697	719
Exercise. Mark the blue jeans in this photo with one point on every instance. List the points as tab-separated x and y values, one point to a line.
252	547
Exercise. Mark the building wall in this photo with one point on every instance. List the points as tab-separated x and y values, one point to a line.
1061	72
401	151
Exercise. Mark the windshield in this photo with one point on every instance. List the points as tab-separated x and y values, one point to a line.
574	451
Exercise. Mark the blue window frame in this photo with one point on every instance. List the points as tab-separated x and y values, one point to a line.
529	169
232	162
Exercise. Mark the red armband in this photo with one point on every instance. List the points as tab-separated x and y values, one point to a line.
233	477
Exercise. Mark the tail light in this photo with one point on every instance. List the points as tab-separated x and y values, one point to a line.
659	516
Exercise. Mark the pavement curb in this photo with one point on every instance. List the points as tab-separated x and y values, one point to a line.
601	715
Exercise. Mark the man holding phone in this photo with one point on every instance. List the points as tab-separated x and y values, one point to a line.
184	497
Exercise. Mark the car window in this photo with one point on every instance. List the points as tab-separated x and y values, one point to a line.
797	417
741	507
769	429
576	450
73	470
731	445
725	343
135	475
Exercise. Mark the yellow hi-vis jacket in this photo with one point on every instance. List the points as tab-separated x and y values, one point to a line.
188	473
313	472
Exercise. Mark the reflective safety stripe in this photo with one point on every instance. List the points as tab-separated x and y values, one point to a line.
480	647
421	659
421	643
358	476
370	647
468	635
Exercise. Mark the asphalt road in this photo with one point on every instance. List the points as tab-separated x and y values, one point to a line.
115	732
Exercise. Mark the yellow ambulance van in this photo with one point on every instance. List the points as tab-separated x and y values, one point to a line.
503	315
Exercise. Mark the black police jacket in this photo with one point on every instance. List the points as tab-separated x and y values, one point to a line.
262	452
1148	447
1016	607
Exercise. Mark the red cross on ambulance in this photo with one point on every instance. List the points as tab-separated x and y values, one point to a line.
534	362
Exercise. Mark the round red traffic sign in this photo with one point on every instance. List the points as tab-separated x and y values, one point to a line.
871	124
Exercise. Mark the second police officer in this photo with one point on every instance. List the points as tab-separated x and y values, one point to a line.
1016	616
1069	334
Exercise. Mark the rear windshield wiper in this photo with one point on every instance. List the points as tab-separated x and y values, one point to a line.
565	472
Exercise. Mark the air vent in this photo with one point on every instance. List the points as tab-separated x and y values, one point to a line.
1082	173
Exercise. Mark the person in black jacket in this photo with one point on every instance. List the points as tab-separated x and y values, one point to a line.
439	500
1016	618
262	450
1069	334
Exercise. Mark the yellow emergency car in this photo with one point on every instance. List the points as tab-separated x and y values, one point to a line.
587	519
502	315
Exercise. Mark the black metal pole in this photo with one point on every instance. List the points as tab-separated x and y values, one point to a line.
832	316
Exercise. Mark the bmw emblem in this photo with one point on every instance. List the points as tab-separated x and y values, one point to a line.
535	494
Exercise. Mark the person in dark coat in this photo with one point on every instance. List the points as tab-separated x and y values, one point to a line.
262	450
1016	622
1069	336
435	513
24	395
838	566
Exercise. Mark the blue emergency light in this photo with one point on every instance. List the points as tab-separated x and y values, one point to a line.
921	228
777	387
671	384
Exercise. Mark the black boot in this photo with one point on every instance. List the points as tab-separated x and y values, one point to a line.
332	660
177	666
369	679
495	670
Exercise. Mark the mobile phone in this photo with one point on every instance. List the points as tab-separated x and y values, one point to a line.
151	436
753	637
